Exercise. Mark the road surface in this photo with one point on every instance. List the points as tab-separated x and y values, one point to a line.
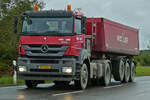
139	90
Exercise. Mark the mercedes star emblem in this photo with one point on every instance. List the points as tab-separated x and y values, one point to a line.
44	48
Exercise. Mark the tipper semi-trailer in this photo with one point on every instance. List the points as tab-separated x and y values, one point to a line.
64	46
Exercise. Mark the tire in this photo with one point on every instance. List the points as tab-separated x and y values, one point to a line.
132	72
84	76
127	73
31	83
57	83
118	70
106	79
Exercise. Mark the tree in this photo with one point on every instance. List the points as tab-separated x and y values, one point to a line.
9	41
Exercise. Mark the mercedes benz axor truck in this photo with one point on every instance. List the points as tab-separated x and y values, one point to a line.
65	45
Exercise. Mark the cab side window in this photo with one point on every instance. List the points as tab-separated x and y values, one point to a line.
78	26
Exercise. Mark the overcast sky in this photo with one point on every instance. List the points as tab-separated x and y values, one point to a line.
135	13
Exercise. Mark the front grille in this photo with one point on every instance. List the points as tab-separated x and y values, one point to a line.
51	50
39	45
44	70
45	61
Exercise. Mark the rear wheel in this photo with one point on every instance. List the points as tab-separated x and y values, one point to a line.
132	72
83	82
118	70
127	73
106	79
31	83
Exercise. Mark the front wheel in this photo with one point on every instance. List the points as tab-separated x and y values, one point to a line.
82	83
31	83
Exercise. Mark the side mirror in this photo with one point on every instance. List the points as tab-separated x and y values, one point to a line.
29	21
14	64
84	25
84	30
15	24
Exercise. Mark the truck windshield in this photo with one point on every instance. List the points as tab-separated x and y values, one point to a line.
47	25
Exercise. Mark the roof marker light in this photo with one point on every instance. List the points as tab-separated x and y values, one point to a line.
36	8
69	7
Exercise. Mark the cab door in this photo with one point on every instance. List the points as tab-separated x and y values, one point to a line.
80	36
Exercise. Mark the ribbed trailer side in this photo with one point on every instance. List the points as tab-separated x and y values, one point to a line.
113	37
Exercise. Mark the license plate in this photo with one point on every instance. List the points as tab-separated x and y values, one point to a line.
44	67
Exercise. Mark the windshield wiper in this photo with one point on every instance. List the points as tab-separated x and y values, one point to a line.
51	32
26	32
31	33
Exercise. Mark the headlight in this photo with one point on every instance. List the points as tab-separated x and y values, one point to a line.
22	68
67	69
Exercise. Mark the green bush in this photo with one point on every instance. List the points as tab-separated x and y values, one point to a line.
3	66
143	58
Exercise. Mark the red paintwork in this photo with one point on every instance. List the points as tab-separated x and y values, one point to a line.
78	14
75	45
21	50
110	37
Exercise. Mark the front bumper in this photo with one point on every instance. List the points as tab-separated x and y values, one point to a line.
55	73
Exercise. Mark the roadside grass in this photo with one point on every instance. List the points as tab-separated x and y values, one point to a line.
8	80
143	71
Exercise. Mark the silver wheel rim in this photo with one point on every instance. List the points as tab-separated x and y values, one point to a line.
127	72
133	71
121	71
84	76
107	77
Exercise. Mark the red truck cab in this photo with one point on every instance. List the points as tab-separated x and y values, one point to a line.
50	42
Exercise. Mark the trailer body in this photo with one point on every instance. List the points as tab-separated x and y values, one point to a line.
113	37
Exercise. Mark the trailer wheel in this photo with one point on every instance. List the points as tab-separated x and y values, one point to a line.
127	73
106	79
132	72
83	81
31	83
118	70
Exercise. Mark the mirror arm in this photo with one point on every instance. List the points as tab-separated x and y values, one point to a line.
15	24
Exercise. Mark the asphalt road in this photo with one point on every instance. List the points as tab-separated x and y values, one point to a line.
139	90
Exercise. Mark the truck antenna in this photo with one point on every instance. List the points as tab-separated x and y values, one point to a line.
78	9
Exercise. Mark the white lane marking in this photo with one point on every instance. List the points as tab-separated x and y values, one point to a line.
23	86
12	87
113	86
67	93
